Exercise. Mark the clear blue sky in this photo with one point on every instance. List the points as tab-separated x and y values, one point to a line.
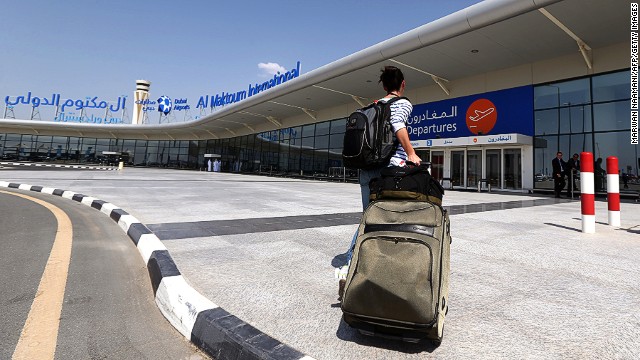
185	48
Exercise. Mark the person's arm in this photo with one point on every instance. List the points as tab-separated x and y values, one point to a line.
403	137
555	164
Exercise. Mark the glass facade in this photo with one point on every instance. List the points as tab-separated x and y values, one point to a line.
309	150
588	114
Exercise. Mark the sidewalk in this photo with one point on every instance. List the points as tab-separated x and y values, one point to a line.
525	282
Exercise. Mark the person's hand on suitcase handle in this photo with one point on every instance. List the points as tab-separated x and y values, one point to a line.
425	165
420	164
413	159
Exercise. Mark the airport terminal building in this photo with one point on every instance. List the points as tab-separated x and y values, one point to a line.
497	88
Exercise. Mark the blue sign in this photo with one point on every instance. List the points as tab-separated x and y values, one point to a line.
180	105
88	103
147	105
177	104
225	98
498	112
72	117
64	106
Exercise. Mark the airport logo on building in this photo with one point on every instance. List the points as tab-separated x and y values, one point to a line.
164	104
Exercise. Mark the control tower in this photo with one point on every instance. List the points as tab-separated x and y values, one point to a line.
141	98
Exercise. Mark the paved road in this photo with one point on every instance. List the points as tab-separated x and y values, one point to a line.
525	282
108	311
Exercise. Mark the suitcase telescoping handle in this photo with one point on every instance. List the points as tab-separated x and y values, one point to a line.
425	164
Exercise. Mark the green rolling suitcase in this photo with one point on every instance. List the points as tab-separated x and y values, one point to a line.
398	281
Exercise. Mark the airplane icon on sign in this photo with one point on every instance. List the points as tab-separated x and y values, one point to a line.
479	114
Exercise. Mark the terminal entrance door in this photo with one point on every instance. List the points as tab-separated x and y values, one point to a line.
501	167
512	168
466	168
494	167
457	168
474	167
437	165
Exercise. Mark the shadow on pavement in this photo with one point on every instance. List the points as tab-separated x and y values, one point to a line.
347	333
631	230
564	227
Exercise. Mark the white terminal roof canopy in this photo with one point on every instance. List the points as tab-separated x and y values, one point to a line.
506	33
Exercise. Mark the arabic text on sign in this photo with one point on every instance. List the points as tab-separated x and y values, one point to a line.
89	103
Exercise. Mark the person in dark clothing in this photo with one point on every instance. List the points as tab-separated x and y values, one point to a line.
559	168
573	170
599	175
625	180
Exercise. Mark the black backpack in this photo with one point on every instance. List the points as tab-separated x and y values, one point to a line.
369	141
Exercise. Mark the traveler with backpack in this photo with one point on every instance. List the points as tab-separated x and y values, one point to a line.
376	135
396	281
393	111
394	84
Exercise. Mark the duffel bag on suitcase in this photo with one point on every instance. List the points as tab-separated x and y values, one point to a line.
409	182
398	280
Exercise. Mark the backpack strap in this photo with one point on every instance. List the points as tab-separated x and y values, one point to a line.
394	99
387	106
390	101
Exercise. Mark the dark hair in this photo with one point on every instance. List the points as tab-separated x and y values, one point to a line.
559	153
391	78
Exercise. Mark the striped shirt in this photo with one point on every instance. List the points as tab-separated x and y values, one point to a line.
400	111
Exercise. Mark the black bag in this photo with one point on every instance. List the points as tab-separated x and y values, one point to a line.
408	183
369	141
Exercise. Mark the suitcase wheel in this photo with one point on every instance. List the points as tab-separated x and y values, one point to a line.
366	333
438	341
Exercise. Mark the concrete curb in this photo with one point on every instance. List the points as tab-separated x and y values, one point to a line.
208	326
58	166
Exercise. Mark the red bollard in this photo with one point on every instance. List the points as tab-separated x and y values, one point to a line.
613	191
587	193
